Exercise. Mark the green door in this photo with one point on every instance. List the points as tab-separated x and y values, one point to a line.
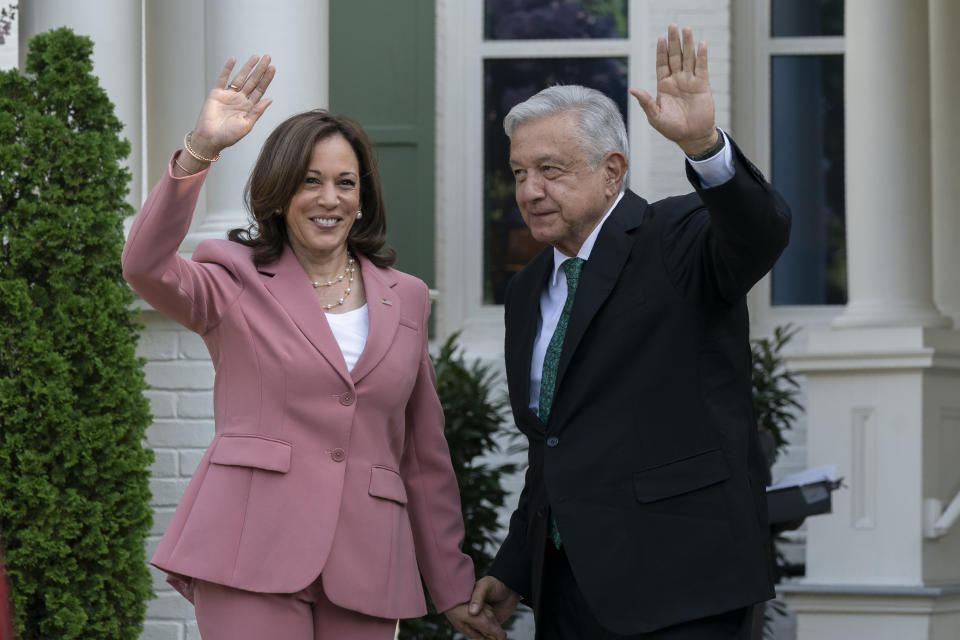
382	74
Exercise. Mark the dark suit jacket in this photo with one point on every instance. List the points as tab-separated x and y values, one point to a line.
650	460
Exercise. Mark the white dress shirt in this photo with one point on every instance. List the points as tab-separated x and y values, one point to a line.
713	172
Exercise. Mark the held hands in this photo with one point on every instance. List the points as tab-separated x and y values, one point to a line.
230	110
483	626
683	109
498	597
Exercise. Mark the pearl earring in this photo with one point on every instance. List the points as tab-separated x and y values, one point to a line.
359	214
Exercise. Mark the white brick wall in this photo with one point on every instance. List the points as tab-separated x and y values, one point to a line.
180	376
710	21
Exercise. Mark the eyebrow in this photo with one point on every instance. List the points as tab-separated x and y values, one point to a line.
545	159
341	174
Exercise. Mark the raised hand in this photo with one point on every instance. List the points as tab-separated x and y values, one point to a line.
683	109
231	109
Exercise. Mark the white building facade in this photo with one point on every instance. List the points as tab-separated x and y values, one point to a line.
871	280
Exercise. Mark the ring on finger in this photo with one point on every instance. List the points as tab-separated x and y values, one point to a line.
235	86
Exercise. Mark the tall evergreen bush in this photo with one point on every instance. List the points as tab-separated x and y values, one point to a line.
73	472
474	414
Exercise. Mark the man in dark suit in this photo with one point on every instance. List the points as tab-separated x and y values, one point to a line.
643	513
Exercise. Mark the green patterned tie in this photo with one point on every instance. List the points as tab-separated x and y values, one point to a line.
551	359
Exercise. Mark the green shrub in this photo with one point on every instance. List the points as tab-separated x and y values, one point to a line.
775	389
474	415
73	473
775	404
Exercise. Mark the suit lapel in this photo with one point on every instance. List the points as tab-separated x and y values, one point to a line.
383	305
521	331
601	272
288	283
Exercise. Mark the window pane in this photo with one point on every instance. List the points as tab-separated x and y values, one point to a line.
558	19
792	18
508	245
807	166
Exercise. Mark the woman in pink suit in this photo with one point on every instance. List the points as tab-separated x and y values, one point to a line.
328	487
6	608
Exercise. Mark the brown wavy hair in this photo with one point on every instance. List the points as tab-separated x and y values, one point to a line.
279	173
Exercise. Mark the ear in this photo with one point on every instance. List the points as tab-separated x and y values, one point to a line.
614	167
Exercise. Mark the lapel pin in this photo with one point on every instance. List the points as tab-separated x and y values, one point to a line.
386	302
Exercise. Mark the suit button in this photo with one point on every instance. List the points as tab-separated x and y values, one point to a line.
346	398
338	455
540	512
553	441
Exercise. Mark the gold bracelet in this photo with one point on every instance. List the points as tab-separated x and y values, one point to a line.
176	161
189	149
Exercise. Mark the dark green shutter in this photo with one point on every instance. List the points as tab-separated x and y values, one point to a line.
382	74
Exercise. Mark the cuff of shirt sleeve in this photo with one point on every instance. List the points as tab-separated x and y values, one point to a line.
716	169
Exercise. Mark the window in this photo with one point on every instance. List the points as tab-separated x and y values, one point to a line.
790	118
509	78
806	146
806	151
543	19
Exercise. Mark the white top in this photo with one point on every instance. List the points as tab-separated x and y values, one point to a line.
713	172
350	329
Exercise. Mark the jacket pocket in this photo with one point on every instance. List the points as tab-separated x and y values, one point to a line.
387	483
680	477
253	451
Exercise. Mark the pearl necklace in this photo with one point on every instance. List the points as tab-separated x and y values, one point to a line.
348	273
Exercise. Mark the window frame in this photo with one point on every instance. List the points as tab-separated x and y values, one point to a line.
753	51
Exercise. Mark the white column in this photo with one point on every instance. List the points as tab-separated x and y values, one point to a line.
176	80
887	93
114	26
945	167
9	50
882	401
294	34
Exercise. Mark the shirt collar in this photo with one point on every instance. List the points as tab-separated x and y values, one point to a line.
586	248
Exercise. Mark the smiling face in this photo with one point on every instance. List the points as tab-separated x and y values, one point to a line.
324	208
560	198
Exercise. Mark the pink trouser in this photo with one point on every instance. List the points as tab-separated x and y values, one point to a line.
224	613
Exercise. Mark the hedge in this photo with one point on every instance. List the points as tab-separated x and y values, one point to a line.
73	471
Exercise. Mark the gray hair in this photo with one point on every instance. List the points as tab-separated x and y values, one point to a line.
602	129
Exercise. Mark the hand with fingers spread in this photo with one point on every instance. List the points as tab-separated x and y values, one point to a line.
683	110
229	112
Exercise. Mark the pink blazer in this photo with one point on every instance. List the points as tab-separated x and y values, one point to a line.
313	469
